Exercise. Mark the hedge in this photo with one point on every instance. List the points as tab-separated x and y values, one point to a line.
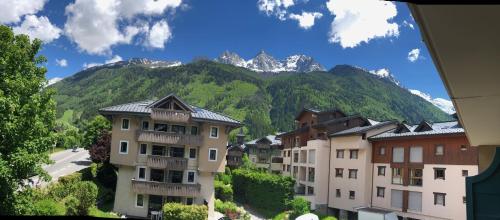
222	191
269	193
298	207
48	207
177	211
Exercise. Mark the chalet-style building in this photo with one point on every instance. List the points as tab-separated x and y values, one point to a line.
166	151
419	171
235	151
306	151
265	153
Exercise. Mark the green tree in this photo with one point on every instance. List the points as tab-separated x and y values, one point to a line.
71	204
27	115
299	206
94	129
86	193
246	163
67	135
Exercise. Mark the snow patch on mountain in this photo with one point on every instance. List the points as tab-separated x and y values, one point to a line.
384	73
443	104
53	80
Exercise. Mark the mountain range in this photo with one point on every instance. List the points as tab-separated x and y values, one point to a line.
264	62
264	103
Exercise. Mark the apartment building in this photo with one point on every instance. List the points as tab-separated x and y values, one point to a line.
419	171
235	151
265	153
306	151
166	151
351	168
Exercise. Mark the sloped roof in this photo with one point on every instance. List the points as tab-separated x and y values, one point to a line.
361	129
142	107
270	138
438	128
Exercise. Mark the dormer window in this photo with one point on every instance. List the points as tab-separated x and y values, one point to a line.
423	126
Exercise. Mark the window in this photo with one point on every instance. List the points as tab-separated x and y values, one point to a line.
190	176
463	147
310	190
415	201
397	176
380	192
439	150
353	173
125	124
139	200
212	154
145	125
158	150
352	194
312	156
415	154
179	129
439	173
339	172
194	131
310	174
141	174
192	153
381	151
397	199
297	141
465	173
288	168
416	177
214	132
337	193
143	149
353	154
439	198
381	170
123	147
189	201
296	157
289	153
398	155
284	167
295	171
160	127
340	153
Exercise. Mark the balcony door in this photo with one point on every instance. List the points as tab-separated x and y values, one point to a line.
157	175
159	150
175	176
155	203
176	151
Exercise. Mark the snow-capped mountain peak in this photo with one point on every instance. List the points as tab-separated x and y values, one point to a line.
384	73
264	62
443	104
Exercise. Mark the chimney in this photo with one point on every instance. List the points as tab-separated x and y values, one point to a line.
240	138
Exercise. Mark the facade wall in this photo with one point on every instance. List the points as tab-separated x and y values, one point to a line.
453	186
129	135
219	143
125	198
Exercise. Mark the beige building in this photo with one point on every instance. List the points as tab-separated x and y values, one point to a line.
166	151
265	153
350	176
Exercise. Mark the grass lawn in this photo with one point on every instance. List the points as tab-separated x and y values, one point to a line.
96	212
67	116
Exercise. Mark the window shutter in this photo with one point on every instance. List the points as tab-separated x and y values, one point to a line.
398	154
396	198
415	201
416	154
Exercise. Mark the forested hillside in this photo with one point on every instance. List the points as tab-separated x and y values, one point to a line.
264	104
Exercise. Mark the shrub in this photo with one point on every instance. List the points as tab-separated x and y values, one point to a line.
222	191
71	204
106	175
298	207
70	179
177	211
222	207
24	200
86	193
269	193
48	207
329	218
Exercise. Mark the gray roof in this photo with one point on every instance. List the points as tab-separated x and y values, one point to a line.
438	128
362	129
143	108
271	138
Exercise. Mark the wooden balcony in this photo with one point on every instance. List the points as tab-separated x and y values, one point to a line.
170	115
165	189
170	163
162	137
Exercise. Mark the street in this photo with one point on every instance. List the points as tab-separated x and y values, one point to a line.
65	162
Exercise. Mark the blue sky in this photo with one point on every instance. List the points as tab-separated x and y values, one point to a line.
369	34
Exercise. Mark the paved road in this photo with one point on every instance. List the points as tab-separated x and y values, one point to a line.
65	162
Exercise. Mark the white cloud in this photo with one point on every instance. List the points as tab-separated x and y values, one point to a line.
408	24
114	59
306	19
443	104
158	35
277	8
12	11
90	65
95	25
361	21
413	55
38	27
384	73
62	62
54	80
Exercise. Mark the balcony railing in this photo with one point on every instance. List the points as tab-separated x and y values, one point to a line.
171	163
170	115
277	160
168	138
165	189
